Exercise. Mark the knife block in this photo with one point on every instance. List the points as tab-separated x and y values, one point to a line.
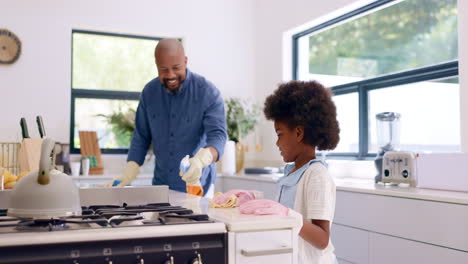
30	154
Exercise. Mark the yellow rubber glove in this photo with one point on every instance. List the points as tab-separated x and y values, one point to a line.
131	171
202	159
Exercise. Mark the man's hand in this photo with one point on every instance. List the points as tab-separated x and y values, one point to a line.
202	159
131	171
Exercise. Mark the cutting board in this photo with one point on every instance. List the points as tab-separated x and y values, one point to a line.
89	148
29	154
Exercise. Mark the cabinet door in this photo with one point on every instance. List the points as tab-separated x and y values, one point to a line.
265	247
351	244
390	250
412	219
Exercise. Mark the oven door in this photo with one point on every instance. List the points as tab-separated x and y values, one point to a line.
207	248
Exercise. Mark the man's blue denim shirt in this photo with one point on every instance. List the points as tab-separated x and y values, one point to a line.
178	124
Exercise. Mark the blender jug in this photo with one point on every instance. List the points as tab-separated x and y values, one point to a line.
388	137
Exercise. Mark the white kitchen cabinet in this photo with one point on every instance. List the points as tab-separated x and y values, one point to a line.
437	223
350	243
264	247
399	230
390	250
260	238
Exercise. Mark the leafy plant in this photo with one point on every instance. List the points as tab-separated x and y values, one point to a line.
122	125
241	117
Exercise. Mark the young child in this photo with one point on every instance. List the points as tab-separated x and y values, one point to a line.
305	119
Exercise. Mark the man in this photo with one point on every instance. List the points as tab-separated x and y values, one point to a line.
181	113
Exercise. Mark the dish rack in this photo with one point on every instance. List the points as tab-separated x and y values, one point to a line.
9	153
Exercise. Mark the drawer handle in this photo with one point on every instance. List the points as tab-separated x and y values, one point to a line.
255	253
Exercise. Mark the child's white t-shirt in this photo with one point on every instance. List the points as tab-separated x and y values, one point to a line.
315	199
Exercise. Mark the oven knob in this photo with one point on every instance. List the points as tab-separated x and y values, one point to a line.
196	260
169	261
405	173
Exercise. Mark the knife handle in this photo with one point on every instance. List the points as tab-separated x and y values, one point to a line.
24	128
40	125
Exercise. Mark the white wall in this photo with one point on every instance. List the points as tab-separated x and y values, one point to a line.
218	37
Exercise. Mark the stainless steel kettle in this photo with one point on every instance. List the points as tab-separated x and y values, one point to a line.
45	193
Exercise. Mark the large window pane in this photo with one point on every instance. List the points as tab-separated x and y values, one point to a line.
348	117
406	35
430	115
109	118
119	63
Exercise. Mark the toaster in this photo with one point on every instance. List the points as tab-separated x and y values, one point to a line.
399	167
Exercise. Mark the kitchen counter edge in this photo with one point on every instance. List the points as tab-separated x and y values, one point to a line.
368	186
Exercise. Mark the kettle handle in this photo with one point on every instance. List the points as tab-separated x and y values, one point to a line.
47	147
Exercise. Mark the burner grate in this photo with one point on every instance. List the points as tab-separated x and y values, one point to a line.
107	216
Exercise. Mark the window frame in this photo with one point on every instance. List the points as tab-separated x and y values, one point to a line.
442	70
80	92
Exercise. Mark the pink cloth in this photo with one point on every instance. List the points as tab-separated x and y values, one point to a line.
242	196
263	207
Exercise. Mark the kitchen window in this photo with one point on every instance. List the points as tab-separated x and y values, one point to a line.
108	73
388	56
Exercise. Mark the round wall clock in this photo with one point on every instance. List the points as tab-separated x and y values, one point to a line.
10	47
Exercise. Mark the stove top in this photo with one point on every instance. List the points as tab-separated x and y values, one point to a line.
152	233
106	216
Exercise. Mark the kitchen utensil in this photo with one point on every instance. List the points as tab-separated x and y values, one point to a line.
40	125
42	133
399	167
388	137
24	128
45	193
29	151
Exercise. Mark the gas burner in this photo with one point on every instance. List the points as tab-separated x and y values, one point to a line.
87	221
125	220
7	219
151	205
52	224
107	216
96	207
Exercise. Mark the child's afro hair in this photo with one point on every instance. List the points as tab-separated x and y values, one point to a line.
308	104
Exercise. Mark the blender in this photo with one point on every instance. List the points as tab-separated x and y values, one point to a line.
388	137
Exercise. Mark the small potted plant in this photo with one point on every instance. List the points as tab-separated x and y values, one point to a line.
122	123
241	118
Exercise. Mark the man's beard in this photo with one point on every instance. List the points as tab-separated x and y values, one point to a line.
173	90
